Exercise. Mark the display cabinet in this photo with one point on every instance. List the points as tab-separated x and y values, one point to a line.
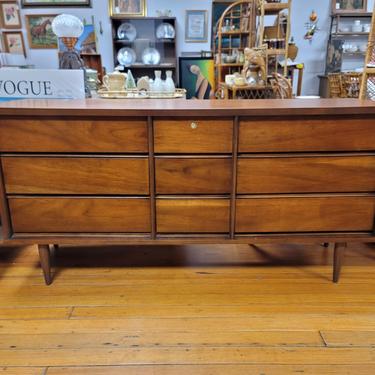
347	43
145	44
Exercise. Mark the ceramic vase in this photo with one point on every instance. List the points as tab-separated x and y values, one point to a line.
169	84
158	83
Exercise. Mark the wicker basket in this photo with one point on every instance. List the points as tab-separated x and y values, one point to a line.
335	85
351	83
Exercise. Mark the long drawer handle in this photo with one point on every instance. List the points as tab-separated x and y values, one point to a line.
193	125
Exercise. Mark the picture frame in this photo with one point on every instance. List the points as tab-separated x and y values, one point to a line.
55	3
349	6
39	31
196	26
334	56
127	8
10	17
197	76
13	42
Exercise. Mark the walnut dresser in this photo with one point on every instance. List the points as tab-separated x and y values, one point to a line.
174	172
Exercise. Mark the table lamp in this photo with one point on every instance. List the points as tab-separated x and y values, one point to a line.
68	29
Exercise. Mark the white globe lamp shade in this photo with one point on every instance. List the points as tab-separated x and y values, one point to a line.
67	26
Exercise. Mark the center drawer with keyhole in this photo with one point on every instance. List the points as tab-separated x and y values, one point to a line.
186	136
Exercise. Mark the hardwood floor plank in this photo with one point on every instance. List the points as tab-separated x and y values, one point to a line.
253	322
348	338
198	300
35	313
179	338
186	311
183	288
22	371
211	355
216	370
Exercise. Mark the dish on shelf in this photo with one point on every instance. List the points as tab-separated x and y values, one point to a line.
126	56
127	31
165	31
151	56
345	29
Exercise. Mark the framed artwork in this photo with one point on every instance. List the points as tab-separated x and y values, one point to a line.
10	15
196	26
349	6
334	56
56	3
86	42
197	76
132	8
39	31
13	42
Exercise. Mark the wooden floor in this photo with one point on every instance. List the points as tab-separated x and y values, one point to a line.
232	310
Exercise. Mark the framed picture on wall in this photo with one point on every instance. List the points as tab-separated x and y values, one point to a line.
10	15
196	26
334	56
132	8
349	6
197	76
56	3
39	31
13	42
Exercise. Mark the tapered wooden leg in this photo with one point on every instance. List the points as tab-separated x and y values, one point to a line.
45	262
338	255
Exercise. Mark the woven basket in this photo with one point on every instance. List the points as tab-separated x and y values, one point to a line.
335	85
351	84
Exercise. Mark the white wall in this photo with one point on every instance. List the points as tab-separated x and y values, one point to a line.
311	53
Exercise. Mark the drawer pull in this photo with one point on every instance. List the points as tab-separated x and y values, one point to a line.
193	125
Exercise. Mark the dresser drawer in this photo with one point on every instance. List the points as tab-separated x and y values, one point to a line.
305	214
193	136
306	174
192	215
47	135
193	176
315	134
80	214
76	175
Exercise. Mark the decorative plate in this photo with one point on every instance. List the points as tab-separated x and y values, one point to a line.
126	56
127	31
165	31
151	56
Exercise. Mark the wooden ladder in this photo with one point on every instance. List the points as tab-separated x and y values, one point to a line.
368	78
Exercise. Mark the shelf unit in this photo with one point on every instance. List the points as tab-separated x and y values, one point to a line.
338	37
146	37
240	18
281	32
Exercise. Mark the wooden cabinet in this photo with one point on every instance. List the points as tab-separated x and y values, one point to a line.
305	214
192	215
72	135
193	175
79	214
307	134
306	174
202	136
54	174
186	172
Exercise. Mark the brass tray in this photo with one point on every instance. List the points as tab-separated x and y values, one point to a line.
136	94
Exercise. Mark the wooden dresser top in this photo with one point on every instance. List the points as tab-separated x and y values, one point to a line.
187	108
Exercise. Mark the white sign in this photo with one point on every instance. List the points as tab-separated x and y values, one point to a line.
42	84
